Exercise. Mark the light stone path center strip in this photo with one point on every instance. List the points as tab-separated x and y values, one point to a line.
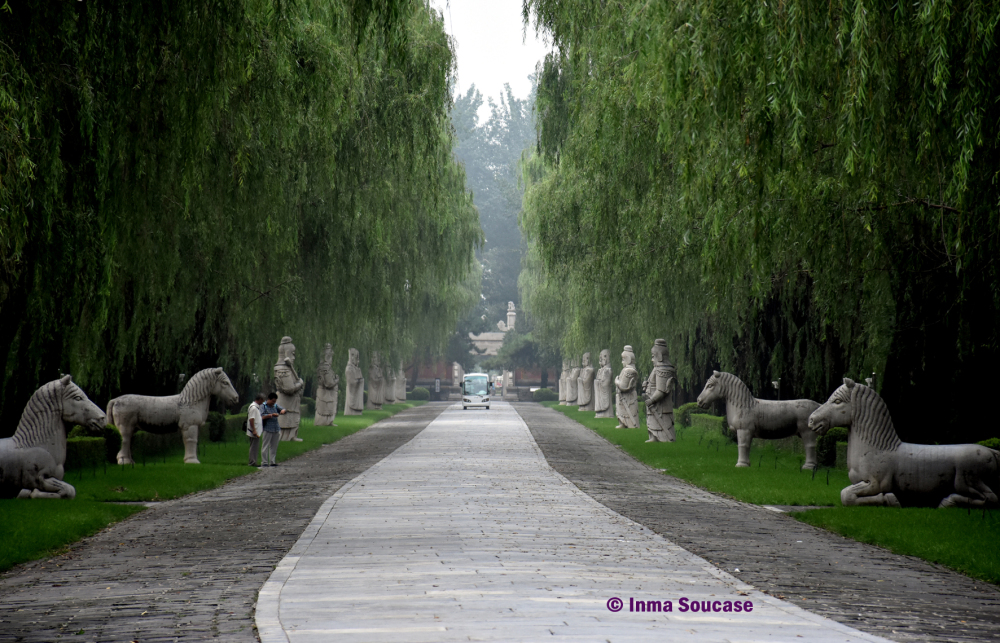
466	533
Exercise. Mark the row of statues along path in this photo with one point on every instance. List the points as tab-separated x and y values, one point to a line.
883	470
33	460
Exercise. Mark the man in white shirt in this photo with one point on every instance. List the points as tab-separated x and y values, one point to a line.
254	428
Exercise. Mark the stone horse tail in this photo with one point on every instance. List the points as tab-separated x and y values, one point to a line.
764	419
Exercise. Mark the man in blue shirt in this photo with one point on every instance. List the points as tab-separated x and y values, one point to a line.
269	413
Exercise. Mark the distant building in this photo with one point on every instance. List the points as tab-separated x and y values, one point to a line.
489	343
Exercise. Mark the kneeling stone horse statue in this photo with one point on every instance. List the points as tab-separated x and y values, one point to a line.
765	419
32	461
189	410
886	471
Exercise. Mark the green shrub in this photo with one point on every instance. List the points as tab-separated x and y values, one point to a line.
419	393
216	426
992	443
709	422
308	407
545	395
84	453
683	413
245	408
112	443
826	446
727	433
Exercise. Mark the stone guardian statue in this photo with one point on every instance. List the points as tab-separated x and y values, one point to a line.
401	384
658	392
289	386
376	384
563	376
326	390
626	396
390	386
585	386
603	386
354	382
573	385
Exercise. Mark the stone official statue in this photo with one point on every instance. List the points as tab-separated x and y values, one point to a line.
390	386
573	385
563	384
289	387
603	383
355	384
627	397
326	390
400	384
658	392
376	384
585	386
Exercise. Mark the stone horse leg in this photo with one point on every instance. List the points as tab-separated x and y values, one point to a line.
863	494
743	441
809	443
190	444
54	488
126	429
974	493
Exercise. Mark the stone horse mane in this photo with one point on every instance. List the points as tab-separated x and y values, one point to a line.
199	386
42	415
736	392
871	422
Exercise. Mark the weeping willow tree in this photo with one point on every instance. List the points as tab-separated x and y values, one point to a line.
797	190
182	183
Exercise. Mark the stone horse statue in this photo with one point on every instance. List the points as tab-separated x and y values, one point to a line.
765	419
189	410
32	461
886	471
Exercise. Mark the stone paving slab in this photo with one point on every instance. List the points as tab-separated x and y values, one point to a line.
899	597
466	533
190	569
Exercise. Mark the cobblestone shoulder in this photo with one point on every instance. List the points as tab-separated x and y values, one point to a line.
190	569
868	588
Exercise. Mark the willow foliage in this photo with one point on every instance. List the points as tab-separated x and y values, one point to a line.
185	182
792	189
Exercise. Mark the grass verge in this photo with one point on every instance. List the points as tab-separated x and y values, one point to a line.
32	529
955	538
704	457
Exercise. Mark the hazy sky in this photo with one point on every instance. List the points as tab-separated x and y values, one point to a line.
493	47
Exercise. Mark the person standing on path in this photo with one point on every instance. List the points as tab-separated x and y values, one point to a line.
254	427
272	430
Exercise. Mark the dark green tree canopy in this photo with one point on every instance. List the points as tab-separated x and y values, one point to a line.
790	189
185	182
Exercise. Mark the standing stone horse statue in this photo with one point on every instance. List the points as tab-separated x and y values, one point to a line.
189	410
32	461
765	419
885	471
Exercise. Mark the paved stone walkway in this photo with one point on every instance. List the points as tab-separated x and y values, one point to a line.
898	597
190	569
465	533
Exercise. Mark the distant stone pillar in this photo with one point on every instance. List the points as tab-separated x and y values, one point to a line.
511	315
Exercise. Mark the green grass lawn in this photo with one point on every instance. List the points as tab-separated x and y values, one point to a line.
963	540
705	458
31	529
957	538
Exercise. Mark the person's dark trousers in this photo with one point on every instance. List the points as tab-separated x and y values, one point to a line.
254	450
269	451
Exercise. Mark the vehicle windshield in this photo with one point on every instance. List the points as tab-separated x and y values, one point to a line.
476	385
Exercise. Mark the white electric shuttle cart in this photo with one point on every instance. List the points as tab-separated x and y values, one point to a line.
476	390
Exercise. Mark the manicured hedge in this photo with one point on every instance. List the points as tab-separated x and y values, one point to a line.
419	393
992	443
683	413
84	453
545	395
826	446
